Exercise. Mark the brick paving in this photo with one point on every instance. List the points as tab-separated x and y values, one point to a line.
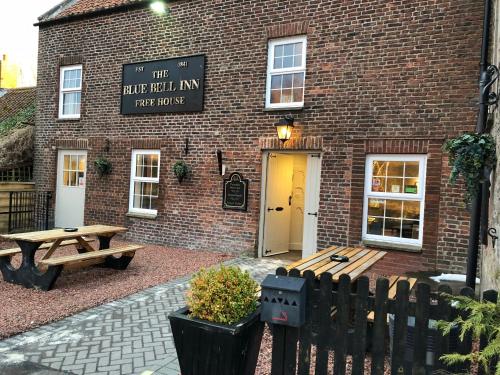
127	336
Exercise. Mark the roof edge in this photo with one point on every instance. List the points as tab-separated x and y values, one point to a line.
94	13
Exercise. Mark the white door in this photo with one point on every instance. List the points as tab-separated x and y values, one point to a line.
277	208
70	189
297	201
311	205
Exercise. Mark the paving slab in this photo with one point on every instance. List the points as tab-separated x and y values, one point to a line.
128	336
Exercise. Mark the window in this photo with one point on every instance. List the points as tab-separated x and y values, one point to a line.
286	69
74	167
144	182
394	198
70	91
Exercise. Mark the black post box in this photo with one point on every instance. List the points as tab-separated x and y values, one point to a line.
283	300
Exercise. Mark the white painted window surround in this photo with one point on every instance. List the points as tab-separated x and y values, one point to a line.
70	92
144	182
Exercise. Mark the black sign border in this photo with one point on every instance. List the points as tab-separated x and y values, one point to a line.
234	208
166	58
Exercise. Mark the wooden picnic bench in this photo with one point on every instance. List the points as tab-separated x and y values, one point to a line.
44	274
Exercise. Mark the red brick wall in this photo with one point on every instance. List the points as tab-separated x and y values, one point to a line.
375	70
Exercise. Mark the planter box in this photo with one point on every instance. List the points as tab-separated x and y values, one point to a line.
207	348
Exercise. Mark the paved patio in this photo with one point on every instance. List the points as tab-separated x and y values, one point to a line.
127	336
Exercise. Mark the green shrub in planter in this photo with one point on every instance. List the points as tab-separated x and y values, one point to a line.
222	311
469	154
181	170
103	166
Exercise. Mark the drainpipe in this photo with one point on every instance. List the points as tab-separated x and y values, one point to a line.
480	203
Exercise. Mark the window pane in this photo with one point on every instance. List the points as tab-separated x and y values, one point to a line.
71	103
298	95
394	185
66	162
138	159
278	50
392	228
278	63
275	96
379	168
298	48
297	61
395	168
66	178
298	80
82	161
276	82
288	50
393	208
288	62
376	207
411	185
72	179
375	225
410	229
74	162
411	169
287	81
286	96
72	79
154	172
411	210
154	160
378	184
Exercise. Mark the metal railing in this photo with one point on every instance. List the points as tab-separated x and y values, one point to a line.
28	211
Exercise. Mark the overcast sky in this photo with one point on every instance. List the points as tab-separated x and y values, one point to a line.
18	36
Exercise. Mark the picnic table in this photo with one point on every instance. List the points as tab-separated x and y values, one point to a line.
360	261
43	274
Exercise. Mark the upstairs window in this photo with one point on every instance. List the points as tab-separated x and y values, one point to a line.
70	92
144	181
286	70
394	199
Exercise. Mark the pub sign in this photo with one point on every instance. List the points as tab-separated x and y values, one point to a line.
235	192
163	86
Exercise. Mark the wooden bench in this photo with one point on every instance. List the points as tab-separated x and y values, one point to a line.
46	245
393	286
78	260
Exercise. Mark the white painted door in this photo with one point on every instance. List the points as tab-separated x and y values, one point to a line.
297	201
277	208
311	205
70	190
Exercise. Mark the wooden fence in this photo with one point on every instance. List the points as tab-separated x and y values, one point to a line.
337	324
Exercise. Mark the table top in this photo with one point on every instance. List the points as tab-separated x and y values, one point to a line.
360	260
56	234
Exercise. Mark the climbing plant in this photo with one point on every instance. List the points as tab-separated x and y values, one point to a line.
469	154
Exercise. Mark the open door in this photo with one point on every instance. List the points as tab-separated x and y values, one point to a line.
311	205
278	200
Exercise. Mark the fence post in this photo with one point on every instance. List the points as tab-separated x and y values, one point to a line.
9	228
379	326
400	328
420	336
279	335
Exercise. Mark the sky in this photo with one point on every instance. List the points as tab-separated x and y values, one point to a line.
18	36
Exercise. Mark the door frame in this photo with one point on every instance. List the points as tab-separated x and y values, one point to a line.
57	196
263	190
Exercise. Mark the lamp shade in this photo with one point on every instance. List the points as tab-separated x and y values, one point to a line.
284	128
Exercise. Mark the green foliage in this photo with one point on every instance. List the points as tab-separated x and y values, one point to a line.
224	295
181	170
469	154
16	120
103	166
483	319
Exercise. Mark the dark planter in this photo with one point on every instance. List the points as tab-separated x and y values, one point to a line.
206	348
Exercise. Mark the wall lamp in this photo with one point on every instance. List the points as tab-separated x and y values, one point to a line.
158	7
284	128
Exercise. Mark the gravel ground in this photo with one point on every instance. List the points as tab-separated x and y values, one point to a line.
24	309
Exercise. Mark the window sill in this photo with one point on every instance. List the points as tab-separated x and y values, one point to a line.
272	109
140	215
393	246
63	119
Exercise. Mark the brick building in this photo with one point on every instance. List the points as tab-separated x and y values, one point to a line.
374	87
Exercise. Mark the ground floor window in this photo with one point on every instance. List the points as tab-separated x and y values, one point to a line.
144	181
394	198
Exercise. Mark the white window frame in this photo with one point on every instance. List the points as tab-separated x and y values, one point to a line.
134	179
63	91
420	196
270	69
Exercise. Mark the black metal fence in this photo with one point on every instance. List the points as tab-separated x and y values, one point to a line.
28	211
400	339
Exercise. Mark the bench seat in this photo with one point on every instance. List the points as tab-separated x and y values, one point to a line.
46	245
70	259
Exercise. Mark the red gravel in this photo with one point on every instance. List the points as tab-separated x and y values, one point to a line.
24	309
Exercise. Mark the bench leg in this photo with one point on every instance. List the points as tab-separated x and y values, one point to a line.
28	275
104	241
120	263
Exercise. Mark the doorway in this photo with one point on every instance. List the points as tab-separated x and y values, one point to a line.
290	202
70	188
